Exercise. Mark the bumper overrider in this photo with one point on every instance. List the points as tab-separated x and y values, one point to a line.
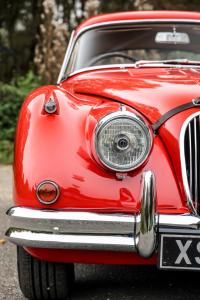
56	229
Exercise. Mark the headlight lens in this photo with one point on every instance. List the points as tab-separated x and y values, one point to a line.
122	141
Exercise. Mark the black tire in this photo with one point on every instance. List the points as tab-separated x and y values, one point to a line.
40	280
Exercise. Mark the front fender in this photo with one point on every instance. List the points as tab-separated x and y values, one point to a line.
56	147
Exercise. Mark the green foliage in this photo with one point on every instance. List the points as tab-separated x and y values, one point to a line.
6	152
11	98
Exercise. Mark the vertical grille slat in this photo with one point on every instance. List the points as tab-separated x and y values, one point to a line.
195	164
190	153
190	159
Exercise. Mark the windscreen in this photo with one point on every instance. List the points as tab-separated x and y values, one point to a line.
128	44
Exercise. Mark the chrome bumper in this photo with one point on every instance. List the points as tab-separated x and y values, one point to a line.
92	231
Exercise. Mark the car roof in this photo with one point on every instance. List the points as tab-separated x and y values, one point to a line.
139	15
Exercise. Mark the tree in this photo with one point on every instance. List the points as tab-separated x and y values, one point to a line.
19	21
92	8
52	43
192	5
116	5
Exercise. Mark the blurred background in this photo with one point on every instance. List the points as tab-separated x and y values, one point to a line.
33	38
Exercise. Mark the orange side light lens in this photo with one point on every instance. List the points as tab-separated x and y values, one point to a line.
47	192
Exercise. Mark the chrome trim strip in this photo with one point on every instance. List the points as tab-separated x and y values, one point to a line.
147	235
183	163
124	66
73	241
138	21
181	221
68	222
113	23
113	66
66	58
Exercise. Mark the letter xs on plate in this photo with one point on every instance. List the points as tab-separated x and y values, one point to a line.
179	252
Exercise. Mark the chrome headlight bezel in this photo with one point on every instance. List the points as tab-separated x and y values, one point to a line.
122	115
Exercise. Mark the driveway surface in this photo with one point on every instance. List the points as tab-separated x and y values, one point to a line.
97	282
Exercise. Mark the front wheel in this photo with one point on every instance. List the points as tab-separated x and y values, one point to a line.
40	280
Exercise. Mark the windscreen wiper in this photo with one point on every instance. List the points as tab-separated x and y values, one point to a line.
141	63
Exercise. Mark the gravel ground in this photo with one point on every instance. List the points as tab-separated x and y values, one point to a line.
97	282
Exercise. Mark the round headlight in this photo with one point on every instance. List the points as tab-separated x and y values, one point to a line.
122	141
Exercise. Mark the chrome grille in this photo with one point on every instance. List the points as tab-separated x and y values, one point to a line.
190	160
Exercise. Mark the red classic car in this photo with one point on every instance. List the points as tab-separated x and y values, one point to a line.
107	161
